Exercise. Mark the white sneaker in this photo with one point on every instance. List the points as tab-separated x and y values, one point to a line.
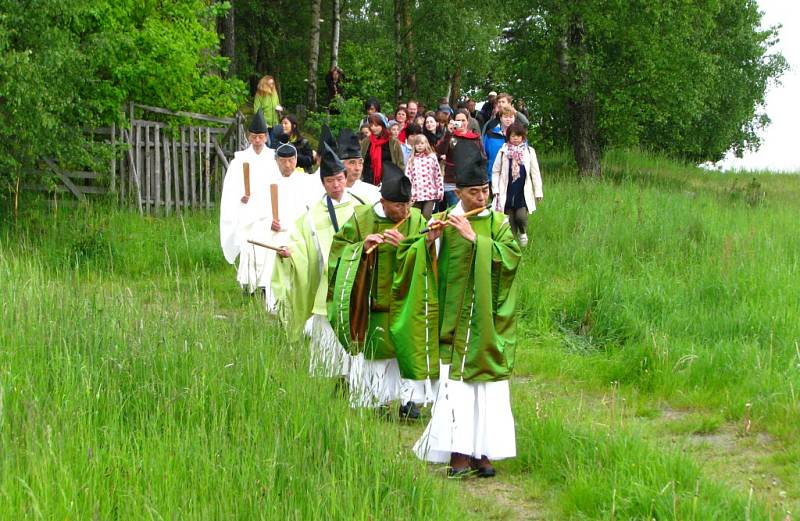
523	239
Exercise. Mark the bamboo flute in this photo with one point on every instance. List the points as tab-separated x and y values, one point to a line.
470	213
396	226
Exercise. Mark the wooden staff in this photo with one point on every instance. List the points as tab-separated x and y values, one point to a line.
273	194
396	226
470	213
267	246
247	179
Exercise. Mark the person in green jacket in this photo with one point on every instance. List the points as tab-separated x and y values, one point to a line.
367	293
267	99
477	259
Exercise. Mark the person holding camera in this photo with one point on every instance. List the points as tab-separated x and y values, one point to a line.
495	137
457	134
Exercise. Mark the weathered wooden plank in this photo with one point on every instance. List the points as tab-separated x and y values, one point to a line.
176	173
148	123
192	166
167	175
122	171
139	165
157	164
93	189
82	174
185	168
200	177
113	157
148	171
221	155
193	115
208	168
64	179
134	173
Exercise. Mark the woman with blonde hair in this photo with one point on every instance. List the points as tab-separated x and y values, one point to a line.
267	99
425	174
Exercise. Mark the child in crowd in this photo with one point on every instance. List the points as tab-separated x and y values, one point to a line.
394	128
425	174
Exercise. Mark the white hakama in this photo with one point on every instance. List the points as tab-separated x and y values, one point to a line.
255	262
373	382
421	392
328	357
469	418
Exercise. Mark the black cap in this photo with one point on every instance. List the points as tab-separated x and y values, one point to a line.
257	124
330	164
470	164
349	146
285	150
395	185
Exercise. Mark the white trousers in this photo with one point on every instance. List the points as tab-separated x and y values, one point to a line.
470	418
328	357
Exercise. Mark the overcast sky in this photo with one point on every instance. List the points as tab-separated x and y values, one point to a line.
780	149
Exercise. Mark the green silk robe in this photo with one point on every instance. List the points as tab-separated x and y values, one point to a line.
477	299
300	282
392	295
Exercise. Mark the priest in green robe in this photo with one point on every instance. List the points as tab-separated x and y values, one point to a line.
300	277
477	260
368	292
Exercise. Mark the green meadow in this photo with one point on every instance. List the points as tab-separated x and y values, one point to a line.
658	368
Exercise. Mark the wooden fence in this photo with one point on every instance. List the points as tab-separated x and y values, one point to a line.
158	167
165	169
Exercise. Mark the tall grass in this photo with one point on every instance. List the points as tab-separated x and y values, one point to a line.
136	382
130	390
678	283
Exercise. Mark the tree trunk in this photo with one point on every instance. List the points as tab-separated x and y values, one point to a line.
337	21
398	50
455	87
408	48
581	102
226	30
313	55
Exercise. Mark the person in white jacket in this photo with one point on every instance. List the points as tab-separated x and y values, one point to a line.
516	181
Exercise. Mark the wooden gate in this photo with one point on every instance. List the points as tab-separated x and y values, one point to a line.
161	168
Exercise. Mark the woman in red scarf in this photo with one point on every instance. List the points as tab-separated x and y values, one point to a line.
378	148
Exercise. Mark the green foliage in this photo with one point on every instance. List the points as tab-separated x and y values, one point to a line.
686	78
350	114
70	66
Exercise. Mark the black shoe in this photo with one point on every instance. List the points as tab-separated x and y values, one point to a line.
483	467
409	411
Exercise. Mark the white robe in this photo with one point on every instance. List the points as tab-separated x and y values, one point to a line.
295	193
368	193
239	222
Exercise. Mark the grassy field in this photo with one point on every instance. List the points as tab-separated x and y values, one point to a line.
657	375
